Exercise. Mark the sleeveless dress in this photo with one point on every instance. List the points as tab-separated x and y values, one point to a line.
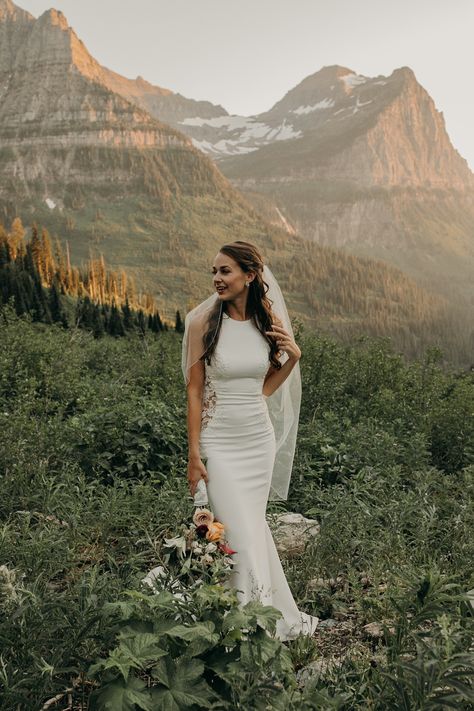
238	441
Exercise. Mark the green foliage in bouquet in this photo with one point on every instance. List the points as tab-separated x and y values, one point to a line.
192	559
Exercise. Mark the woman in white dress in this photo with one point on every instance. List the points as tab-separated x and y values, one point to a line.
240	363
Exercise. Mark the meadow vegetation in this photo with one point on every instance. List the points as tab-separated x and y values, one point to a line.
93	479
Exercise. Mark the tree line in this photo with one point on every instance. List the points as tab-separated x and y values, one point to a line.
38	276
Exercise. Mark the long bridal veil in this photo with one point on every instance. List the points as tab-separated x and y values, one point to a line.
283	405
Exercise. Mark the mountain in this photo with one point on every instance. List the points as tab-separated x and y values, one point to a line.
359	163
102	174
374	132
97	168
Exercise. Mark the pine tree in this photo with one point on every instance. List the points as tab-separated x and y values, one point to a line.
20	305
48	264
127	315
98	322
141	322
178	323
5	256
116	324
33	252
158	321
42	312
16	235
55	305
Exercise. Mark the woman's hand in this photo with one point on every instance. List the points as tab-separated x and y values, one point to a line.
285	342
196	471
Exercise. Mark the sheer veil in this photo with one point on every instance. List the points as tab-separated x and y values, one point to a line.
283	404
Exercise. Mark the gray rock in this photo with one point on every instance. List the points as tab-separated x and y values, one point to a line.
292	531
374	630
318	583
330	622
315	669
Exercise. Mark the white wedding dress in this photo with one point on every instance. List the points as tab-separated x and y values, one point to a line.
238	441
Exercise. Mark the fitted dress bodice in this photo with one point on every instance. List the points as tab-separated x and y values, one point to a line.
237	372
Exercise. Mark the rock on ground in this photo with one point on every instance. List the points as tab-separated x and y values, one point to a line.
292	531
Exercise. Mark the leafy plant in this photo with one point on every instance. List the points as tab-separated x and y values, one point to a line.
195	650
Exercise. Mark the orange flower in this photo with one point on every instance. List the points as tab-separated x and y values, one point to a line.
215	531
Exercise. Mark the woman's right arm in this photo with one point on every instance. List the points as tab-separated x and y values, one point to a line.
196	469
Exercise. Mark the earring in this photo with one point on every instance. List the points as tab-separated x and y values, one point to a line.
247	283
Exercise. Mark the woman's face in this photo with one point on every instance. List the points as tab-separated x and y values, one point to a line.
228	277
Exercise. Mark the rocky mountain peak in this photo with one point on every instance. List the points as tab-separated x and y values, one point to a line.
54	17
7	8
406	73
144	85
10	11
325	77
323	89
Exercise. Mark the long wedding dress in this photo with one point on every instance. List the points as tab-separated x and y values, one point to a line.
238	441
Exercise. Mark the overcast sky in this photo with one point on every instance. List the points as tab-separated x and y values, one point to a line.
246	54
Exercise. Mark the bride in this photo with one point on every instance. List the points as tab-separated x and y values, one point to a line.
240	364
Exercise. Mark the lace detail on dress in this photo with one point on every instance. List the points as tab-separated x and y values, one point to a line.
208	403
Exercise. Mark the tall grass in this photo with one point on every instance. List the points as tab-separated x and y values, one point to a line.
93	460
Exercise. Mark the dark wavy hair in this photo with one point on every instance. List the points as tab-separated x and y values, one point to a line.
258	306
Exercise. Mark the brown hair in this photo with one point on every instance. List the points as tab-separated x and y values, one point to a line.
258	304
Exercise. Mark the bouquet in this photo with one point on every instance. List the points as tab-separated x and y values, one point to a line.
198	553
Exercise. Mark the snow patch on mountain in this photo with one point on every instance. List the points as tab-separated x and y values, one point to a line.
239	134
232	122
352	80
222	147
283	132
324	104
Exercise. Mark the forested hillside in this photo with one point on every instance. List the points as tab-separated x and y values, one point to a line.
41	281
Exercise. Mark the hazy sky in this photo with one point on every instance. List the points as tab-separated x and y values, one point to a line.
246	54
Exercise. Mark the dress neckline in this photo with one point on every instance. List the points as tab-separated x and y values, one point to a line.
237	320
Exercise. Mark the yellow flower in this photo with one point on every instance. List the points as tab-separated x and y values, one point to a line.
203	517
215	531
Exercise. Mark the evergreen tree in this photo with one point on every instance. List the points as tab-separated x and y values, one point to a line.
42	312
55	304
105	316
141	322
5	255
127	315
34	252
178	324
159	322
116	324
16	235
88	317
98	322
21	305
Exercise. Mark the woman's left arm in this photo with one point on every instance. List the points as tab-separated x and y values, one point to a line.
274	378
